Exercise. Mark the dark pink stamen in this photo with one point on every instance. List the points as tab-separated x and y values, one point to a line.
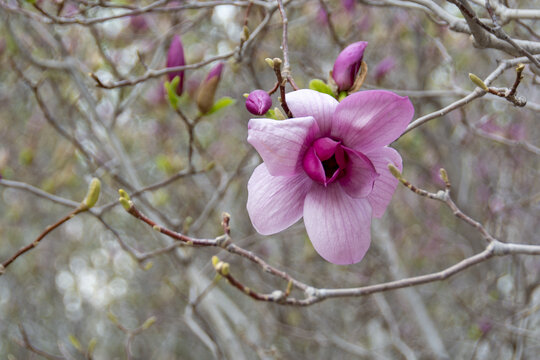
325	161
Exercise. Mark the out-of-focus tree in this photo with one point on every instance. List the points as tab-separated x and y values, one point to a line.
148	97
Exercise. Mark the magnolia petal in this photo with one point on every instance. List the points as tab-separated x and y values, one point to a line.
370	119
313	166
385	185
338	226
308	102
325	147
275	202
360	175
282	144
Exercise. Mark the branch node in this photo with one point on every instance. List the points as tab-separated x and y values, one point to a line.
223	241
498	248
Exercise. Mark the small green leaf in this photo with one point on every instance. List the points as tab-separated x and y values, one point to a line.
26	156
474	332
76	344
221	104
171	91
163	163
320	86
149	322
91	346
275	114
271	114
342	95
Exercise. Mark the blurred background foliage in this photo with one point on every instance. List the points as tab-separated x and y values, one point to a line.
72	291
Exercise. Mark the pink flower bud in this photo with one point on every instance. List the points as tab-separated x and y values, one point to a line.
258	102
215	71
175	57
322	17
138	23
383	68
207	89
348	5
348	64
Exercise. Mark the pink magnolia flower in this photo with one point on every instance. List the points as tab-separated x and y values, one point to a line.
329	165
383	68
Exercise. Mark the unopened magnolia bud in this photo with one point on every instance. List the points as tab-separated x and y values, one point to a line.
258	102
92	195
215	261
478	82
347	65
175	57
207	89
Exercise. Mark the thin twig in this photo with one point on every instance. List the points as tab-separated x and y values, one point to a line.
497	30
285	47
28	345
35	243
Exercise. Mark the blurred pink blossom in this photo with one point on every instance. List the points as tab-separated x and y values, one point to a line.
138	23
517	131
365	23
322	17
383	68
329	165
348	5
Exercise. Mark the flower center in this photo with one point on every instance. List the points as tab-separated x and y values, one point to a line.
325	161
330	166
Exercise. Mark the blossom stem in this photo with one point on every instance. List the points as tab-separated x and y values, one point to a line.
315	295
281	84
444	196
278	296
223	241
285	47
